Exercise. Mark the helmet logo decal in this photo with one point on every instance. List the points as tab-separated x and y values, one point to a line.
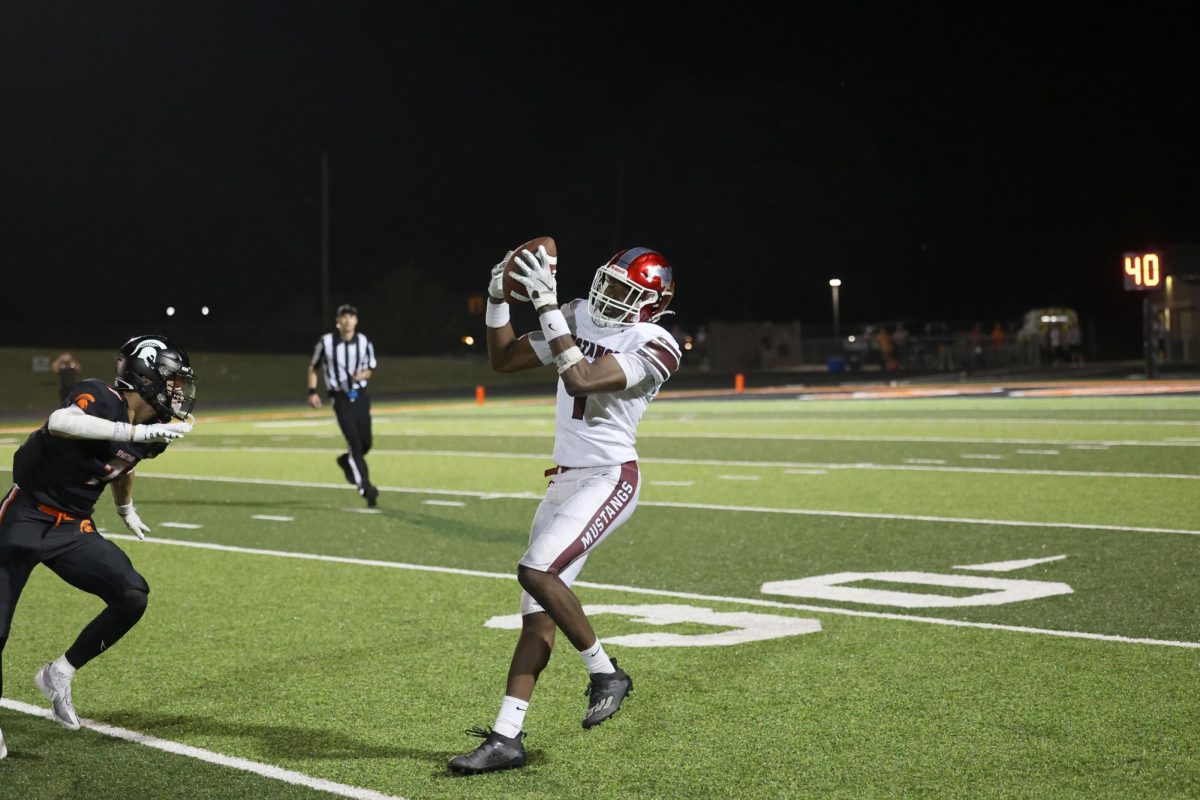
662	273
148	351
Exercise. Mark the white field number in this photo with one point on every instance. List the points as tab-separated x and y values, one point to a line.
992	591
743	626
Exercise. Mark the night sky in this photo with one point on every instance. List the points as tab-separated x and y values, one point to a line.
946	161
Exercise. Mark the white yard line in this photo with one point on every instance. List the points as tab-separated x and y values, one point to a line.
191	526
808	417
809	512
662	592
1009	566
200	754
710	462
272	518
818	437
451	503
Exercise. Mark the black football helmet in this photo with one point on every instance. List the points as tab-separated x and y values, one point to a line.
160	372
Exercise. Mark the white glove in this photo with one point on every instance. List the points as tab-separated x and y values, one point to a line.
160	431
535	275
496	286
133	521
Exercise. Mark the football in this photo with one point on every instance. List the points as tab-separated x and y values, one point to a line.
510	265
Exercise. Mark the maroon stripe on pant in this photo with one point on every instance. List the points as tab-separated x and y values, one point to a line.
620	497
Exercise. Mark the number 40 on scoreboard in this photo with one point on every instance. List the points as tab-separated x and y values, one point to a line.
1143	272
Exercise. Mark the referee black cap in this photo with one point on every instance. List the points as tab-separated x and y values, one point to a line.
346	308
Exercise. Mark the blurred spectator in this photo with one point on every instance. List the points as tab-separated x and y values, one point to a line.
1075	344
997	337
900	344
701	346
1057	350
766	354
68	374
976	344
887	353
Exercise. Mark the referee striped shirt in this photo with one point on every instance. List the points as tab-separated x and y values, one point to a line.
342	359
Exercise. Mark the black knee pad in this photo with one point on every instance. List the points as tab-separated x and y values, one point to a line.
132	604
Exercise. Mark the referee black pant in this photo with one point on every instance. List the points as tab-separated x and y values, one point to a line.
354	418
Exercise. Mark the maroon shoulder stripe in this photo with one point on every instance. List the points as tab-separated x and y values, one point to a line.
666	355
653	362
669	353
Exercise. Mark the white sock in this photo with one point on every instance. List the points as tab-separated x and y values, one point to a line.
63	666
596	660
511	716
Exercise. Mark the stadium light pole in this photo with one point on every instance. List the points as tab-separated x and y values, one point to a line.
834	283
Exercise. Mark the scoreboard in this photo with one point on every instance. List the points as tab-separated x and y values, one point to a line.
1143	272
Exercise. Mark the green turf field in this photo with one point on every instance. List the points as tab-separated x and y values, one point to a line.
1001	602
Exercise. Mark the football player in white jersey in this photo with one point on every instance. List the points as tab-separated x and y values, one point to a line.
611	359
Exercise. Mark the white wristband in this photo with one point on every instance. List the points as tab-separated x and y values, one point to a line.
554	325
126	509
567	359
496	315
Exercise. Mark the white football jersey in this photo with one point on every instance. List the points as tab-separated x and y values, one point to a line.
601	429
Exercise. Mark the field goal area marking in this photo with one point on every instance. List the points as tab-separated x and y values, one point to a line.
209	756
709	598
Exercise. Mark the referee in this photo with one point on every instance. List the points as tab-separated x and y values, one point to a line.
347	359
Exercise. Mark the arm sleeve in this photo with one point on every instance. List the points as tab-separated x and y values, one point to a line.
72	422
636	370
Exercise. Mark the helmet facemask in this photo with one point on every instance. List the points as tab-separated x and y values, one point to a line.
161	374
616	301
178	397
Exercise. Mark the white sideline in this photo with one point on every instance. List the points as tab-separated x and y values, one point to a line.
200	754
710	598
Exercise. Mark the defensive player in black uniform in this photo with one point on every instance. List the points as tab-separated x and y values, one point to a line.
95	440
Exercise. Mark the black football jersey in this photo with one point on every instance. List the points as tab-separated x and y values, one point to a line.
70	474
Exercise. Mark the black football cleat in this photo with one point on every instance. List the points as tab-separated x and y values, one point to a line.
496	753
343	461
605	693
372	496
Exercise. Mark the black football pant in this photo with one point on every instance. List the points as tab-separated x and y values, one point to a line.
354	418
31	534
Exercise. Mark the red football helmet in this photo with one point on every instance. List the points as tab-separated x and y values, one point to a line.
636	285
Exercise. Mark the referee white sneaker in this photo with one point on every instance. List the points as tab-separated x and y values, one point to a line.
3	748
56	687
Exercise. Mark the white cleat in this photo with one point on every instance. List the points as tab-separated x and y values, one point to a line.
3	748
56	687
